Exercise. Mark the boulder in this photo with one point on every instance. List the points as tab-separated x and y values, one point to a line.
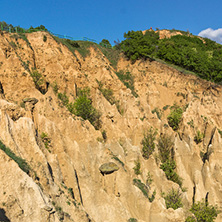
108	168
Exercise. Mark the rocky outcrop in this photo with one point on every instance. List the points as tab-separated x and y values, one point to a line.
66	154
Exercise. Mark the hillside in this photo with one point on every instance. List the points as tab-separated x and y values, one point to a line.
61	176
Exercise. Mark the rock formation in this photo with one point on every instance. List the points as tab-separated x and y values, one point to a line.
64	152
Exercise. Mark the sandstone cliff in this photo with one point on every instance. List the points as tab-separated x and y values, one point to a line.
65	153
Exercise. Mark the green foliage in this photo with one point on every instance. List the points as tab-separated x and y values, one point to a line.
220	132
112	54
46	140
190	123
193	54
128	80
145	190
137	167
105	43
173	199
206	155
38	80
168	167
107	93
202	57
44	38
166	107
21	162
104	135
148	142
203	212
149	179
165	148
81	46
190	219
132	220
55	87
13	45
83	107
137	46
158	112
198	138
64	98
175	116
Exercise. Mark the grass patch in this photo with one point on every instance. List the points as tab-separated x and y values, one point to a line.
145	190
128	80
81	46
21	162
111	54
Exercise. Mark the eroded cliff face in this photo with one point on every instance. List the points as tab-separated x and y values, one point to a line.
64	152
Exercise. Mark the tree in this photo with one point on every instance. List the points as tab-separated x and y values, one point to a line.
137	46
105	43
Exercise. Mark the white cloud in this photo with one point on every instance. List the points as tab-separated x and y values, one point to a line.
212	34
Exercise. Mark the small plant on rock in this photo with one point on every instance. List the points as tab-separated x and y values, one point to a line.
198	137
148	142
203	212
173	199
175	117
137	167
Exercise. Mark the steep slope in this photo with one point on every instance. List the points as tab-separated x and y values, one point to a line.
65	152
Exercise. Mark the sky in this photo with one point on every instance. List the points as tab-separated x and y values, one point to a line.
110	19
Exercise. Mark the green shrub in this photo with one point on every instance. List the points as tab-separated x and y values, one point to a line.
173	199
220	132
44	38
64	98
83	107
137	167
21	162
132	220
175	117
105	43
148	142
203	212
137	45
38	80
169	169
104	135
145	190
198	137
165	147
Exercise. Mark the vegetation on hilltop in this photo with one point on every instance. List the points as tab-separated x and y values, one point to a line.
201	56
5	26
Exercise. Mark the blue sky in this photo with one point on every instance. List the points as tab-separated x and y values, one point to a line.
100	19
